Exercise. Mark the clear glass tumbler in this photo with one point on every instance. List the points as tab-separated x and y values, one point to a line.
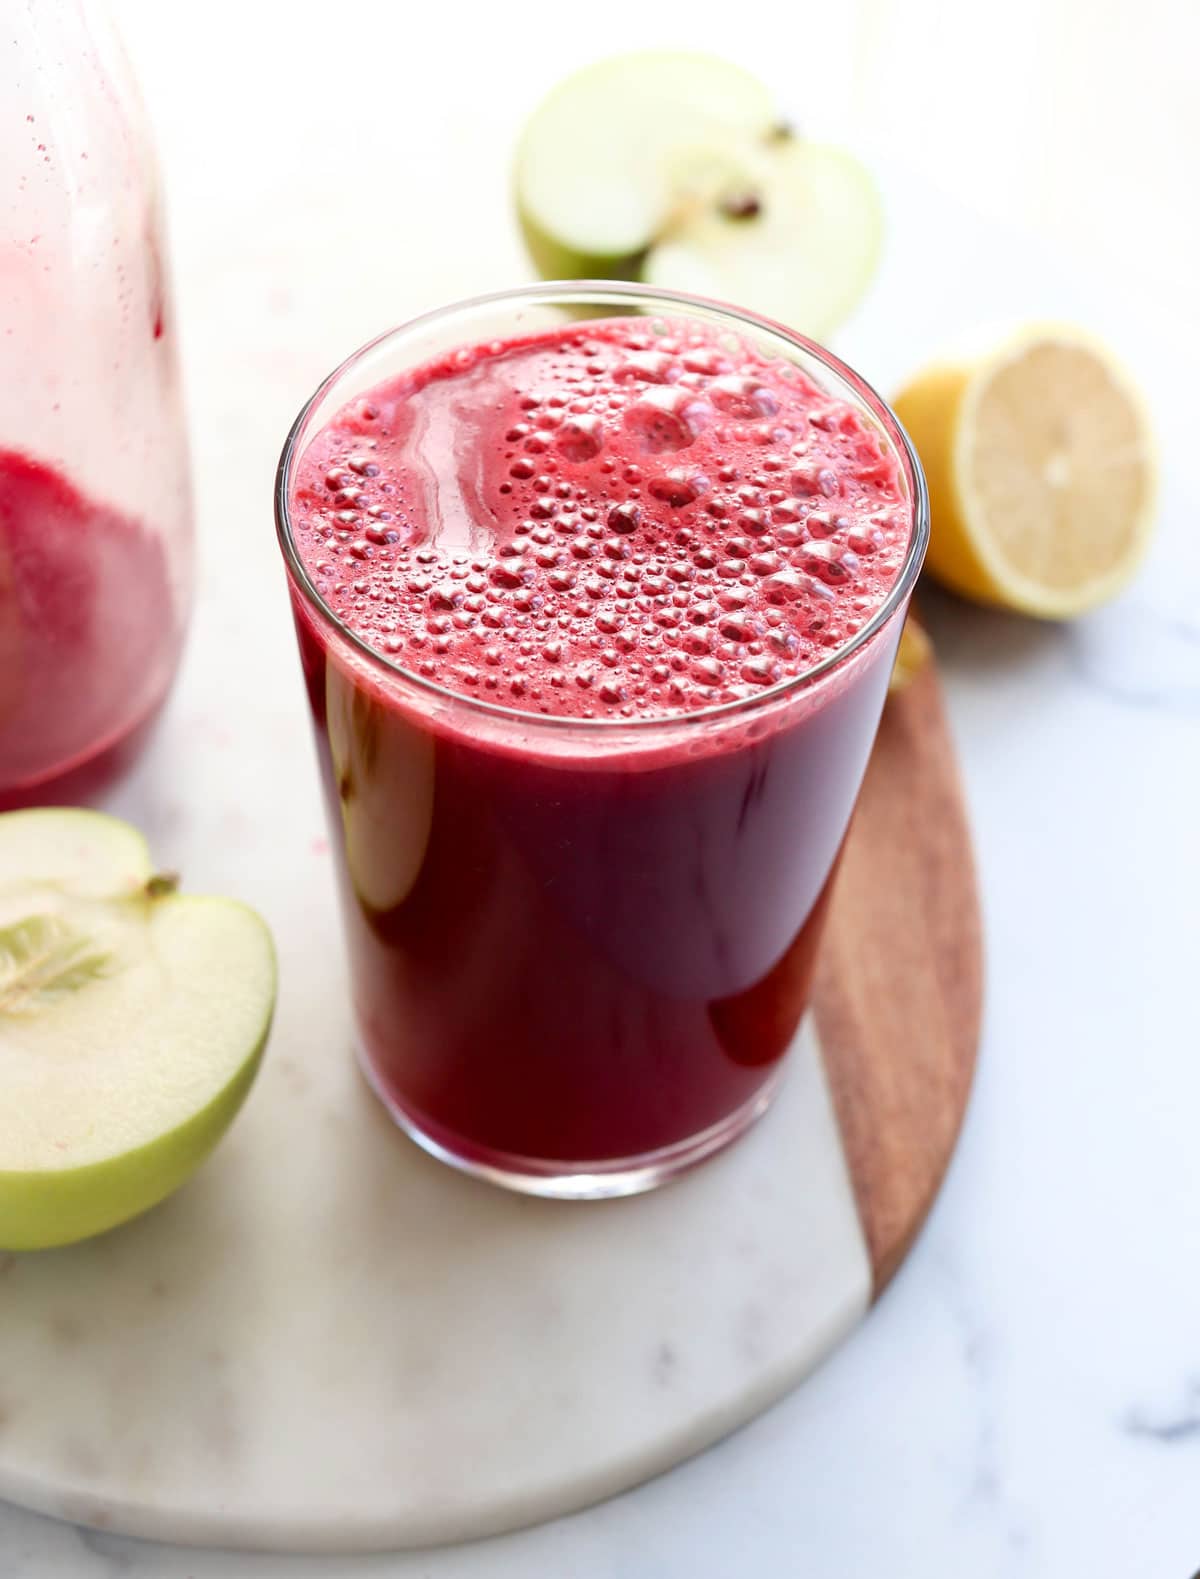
95	495
580	948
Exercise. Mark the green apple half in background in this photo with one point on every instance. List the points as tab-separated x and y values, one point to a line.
676	170
132	1021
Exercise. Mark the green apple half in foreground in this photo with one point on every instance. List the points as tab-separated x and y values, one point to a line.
676	170
132	1021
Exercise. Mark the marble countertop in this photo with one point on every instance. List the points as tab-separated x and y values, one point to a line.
1025	1402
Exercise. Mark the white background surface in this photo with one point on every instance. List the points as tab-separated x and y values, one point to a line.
1026	1401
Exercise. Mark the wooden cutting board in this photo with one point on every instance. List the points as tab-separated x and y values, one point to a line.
900	977
327	1341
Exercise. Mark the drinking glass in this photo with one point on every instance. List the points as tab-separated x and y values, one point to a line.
580	948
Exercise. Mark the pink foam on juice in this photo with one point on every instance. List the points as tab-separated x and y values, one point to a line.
603	522
593	955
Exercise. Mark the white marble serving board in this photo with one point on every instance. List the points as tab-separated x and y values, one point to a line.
1023	1405
328	1341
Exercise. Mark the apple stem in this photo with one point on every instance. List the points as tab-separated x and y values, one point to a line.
161	884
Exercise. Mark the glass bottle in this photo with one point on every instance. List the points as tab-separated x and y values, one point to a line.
95	492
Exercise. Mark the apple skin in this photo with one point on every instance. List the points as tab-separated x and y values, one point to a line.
553	261
41	1211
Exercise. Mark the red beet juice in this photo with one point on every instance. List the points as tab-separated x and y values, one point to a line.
596	624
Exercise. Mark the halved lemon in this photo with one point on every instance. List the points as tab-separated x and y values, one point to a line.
1041	472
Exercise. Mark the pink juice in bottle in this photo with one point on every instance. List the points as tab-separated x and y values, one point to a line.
90	631
558	586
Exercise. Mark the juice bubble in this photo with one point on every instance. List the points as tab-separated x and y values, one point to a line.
765	564
738	628
624	517
667	419
648	367
823	523
510	573
580	438
677	487
762	670
823	560
805	481
742	397
863	540
786	586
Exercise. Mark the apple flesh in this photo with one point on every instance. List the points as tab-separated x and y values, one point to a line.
132	1023
676	170
803	255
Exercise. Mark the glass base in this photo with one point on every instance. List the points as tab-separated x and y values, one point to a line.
574	1181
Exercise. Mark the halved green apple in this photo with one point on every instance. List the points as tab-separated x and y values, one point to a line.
132	1022
383	771
676	169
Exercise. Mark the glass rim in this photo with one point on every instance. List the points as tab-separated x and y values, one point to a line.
600	293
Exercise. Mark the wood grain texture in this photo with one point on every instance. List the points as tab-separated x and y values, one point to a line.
900	976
